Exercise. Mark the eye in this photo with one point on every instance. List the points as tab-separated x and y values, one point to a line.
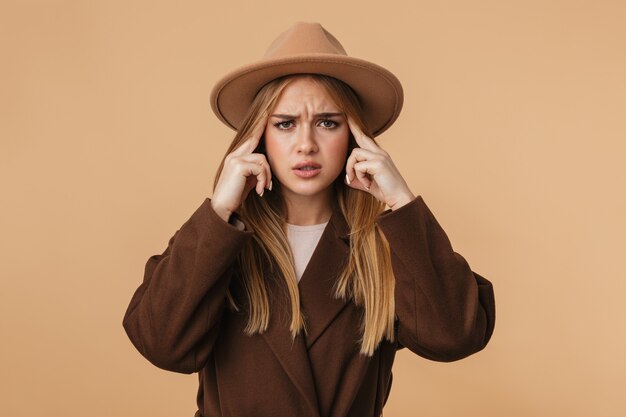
330	124
281	125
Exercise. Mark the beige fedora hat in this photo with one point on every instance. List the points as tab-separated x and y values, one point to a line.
309	48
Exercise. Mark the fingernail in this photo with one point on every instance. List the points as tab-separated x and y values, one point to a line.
347	179
270	187
262	192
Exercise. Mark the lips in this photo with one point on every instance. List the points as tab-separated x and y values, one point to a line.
306	169
307	165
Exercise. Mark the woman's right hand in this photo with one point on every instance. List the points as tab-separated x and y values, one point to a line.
243	170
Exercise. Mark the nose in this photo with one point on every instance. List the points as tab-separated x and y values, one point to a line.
306	140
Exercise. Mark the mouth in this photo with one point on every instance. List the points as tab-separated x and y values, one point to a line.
307	169
306	166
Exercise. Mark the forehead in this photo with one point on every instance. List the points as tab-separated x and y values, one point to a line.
304	92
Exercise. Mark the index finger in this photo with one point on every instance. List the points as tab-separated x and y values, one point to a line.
250	145
361	138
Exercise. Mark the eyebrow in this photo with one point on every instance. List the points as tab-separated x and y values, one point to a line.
291	116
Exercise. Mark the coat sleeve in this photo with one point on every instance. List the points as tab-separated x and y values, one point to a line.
444	310
173	317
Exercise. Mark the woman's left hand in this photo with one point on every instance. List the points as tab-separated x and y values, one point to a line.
369	168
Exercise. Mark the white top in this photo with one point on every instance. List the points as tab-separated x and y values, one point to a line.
303	240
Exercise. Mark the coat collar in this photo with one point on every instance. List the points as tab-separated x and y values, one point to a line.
318	305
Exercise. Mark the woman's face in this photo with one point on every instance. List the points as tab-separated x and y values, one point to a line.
306	139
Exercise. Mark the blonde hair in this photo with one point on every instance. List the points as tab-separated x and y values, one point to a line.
367	279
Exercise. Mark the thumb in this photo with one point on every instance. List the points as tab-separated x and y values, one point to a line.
356	184
250	184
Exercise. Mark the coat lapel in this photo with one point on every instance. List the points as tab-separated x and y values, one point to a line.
317	304
292	355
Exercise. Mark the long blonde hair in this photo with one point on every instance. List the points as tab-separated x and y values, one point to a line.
367	279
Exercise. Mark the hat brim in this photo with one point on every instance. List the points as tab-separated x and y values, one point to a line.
379	91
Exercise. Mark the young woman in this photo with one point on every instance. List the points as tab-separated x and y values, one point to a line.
292	288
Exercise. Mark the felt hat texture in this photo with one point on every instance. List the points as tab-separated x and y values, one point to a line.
308	48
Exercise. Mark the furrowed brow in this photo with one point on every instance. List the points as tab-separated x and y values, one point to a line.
328	114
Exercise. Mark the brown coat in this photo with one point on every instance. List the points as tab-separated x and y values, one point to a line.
177	319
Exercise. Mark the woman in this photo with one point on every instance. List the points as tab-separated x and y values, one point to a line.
292	300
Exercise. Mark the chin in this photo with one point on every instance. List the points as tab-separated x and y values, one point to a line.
307	190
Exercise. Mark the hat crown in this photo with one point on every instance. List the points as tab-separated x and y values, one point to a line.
304	38
308	48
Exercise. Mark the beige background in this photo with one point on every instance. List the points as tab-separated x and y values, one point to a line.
512	131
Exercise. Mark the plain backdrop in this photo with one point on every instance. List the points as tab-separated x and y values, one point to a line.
512	131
